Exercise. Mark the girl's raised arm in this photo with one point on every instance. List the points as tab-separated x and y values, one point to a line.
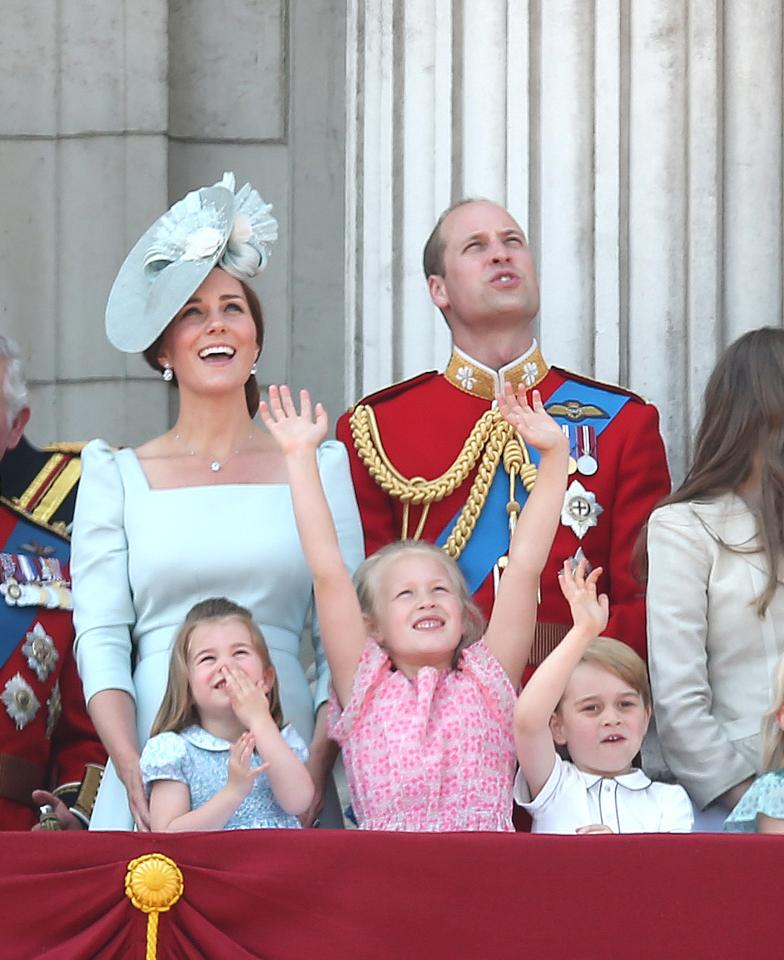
510	632
540	696
298	435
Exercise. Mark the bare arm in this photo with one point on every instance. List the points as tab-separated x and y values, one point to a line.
170	800
510	632
540	696
113	714
322	754
343	629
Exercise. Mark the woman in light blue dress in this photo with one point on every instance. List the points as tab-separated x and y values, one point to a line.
203	510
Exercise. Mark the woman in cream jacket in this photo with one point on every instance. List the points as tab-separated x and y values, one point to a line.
715	598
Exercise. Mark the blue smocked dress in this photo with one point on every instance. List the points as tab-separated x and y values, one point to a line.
766	796
142	557
201	761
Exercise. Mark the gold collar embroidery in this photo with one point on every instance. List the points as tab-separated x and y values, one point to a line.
473	377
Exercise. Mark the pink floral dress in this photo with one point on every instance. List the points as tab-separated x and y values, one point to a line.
435	753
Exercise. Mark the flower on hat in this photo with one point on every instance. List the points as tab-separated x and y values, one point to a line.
242	230
195	230
201	243
253	233
191	230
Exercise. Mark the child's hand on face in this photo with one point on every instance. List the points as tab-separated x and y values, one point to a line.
531	421
294	432
241	774
589	611
248	700
593	828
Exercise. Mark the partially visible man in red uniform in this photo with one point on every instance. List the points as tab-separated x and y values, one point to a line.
47	741
431	458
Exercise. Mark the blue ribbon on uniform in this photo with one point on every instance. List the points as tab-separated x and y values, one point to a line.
490	539
15	622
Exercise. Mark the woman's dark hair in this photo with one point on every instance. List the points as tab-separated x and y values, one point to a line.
252	392
743	418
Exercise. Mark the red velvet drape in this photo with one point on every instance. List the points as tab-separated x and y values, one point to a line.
283	895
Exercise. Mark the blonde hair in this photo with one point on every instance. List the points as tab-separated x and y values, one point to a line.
370	572
178	710
772	734
619	658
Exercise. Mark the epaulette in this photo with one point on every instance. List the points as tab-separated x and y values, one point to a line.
395	389
593	382
74	447
58	529
43	482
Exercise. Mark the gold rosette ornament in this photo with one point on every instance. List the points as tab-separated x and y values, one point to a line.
153	884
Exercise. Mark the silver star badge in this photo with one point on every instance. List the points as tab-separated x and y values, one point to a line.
40	651
580	510
20	701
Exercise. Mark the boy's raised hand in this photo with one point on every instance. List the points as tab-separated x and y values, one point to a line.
589	611
294	432
531	421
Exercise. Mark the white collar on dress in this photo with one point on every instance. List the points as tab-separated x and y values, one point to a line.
199	737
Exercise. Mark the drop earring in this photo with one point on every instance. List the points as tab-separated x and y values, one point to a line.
167	373
253	368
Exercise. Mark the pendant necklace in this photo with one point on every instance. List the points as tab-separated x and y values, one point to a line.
215	465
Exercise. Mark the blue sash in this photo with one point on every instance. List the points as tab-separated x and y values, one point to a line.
15	622
490	539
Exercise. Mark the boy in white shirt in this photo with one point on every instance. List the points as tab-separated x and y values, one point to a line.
591	695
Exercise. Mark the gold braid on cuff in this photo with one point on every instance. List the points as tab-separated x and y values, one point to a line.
491	440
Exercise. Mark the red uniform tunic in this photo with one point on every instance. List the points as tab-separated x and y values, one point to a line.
46	736
422	426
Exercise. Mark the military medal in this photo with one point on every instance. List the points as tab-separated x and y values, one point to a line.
34	582
580	510
567	432
585	450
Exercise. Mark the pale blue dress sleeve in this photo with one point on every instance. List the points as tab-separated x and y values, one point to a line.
298	746
339	490
766	796
103	605
165	757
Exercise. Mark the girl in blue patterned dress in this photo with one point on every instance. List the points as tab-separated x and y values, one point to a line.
761	808
220	756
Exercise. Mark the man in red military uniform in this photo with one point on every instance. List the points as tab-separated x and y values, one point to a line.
431	458
47	741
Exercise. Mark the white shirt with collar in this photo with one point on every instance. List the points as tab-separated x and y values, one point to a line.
629	803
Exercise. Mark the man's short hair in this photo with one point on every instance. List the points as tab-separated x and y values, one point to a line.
433	255
14	384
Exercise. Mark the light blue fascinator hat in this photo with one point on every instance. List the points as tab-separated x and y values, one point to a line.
210	227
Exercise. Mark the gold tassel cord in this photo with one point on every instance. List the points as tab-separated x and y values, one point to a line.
465	523
153	884
367	440
490	440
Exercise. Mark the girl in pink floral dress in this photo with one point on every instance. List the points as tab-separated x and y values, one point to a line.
423	699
